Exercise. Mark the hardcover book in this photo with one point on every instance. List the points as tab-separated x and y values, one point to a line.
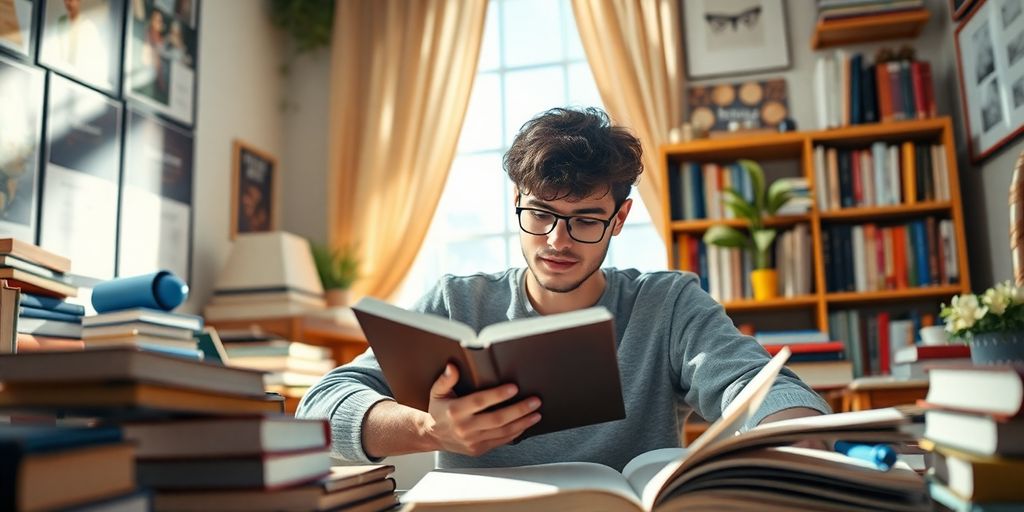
567	360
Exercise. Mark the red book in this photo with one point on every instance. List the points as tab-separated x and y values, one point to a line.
996	390
883	343
899	246
884	92
914	353
920	95
807	348
932	235
929	89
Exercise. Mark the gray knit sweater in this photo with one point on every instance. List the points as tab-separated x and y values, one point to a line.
676	349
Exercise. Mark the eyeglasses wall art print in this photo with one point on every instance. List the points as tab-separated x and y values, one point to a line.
726	37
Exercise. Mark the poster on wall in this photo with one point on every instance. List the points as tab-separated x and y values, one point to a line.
990	58
16	27
80	183
160	61
82	39
726	37
253	200
21	115
750	105
156	198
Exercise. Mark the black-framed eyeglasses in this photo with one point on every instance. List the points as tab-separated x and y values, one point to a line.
587	230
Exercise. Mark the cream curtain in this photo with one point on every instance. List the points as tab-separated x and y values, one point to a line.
634	49
401	76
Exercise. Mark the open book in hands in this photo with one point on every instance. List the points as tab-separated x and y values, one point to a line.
568	360
720	470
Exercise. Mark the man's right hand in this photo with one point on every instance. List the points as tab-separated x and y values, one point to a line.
460	424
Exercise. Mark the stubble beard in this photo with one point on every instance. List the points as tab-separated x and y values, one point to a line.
533	262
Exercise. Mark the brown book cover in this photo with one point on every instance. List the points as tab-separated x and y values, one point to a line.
10	305
31	283
34	254
567	360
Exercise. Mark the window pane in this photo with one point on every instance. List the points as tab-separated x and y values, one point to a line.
637	247
638	213
573	45
480	130
465	257
582	88
490	50
515	251
471	203
533	32
530	92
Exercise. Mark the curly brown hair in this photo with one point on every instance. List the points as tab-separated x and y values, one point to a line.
568	153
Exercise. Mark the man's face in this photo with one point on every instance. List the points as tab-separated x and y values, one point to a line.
560	263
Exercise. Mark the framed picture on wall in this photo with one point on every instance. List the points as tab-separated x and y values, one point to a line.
990	58
160	58
725	37
81	39
253	196
21	118
156	198
80	182
17	20
959	8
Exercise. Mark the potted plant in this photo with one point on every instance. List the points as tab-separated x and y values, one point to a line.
338	269
993	323
756	238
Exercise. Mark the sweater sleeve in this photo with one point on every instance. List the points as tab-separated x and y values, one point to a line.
346	394
714	361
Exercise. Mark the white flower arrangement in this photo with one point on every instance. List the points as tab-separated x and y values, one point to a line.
999	309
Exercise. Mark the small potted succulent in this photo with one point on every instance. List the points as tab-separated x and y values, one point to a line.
993	323
756	238
338	269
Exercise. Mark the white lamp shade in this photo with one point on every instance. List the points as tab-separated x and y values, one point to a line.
270	261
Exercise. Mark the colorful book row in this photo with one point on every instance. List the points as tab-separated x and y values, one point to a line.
880	175
849	91
871	338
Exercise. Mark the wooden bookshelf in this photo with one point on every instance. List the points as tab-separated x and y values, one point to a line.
797	149
865	29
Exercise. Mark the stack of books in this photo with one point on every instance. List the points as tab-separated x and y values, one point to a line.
872	338
291	367
50	468
43	313
255	463
820	362
912	362
974	425
840	9
148	329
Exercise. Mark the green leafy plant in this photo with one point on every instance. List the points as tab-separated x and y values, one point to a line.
767	200
999	309
338	268
309	22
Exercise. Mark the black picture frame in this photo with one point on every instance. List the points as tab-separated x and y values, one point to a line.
959	8
18	20
83	43
81	177
156	207
161	57
21	129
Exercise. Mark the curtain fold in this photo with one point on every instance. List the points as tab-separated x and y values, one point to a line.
401	76
634	50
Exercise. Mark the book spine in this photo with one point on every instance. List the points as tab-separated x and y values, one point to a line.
676	206
907	92
896	91
48	314
885	110
856	97
870	95
909	173
920	97
845	179
40	302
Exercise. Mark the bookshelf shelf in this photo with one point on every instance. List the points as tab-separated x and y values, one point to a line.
864	29
929	292
803	301
700	226
886	212
797	149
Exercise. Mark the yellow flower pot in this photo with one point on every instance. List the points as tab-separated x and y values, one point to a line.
765	282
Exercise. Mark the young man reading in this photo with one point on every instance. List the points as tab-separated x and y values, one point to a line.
573	172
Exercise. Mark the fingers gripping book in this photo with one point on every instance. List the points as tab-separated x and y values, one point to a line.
723	469
568	360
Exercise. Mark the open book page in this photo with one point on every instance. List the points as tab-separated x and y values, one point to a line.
521	328
456	486
739	411
430	323
644	467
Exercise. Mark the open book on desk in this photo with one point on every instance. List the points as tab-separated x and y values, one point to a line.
720	470
567	359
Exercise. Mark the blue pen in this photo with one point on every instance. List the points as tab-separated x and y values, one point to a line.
881	455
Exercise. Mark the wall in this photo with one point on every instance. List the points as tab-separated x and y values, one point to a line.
239	91
984	188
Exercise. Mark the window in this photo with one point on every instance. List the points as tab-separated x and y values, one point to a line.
531	60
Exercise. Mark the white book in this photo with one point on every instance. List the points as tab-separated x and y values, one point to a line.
714	273
146	315
878	165
46	327
859	263
6	260
895	177
136	329
949	249
979	434
821	91
222	312
282	364
820	180
276	348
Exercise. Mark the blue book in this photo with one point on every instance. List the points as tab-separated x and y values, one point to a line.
697	190
194	354
48	314
675	200
702	257
40	302
924	272
856	84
